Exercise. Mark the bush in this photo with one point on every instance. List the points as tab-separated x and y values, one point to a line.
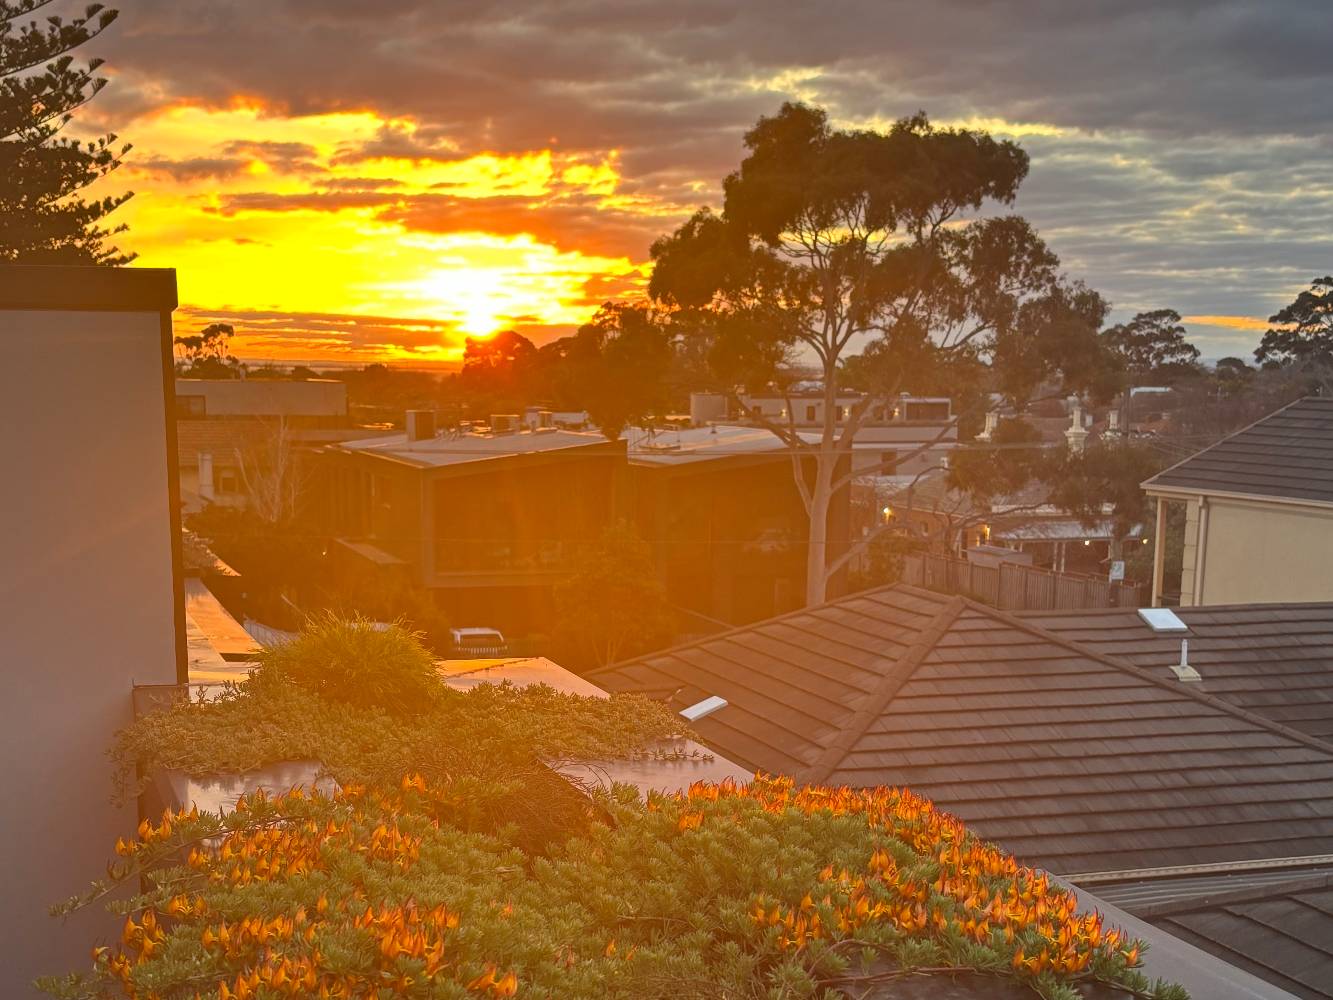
356	662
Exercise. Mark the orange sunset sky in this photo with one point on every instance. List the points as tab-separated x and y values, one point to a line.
350	181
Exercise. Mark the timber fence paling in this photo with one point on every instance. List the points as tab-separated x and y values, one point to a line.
1012	587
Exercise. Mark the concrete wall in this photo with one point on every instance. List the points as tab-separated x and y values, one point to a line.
1260	552
267	397
88	604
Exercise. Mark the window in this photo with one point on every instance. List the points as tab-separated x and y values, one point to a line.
810	414
921	410
226	481
888	463
757	411
842	413
190	407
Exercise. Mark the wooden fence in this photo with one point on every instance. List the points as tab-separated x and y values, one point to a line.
1012	587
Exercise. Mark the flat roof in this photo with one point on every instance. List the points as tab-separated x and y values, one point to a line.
447	450
87	288
223	632
667	766
681	446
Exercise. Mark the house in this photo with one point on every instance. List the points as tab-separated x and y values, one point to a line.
721	509
897	440
1258	512
92	587
1107	770
486	522
236	436
490	521
1025	521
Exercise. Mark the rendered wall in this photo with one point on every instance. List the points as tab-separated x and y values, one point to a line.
267	397
1257	553
87	607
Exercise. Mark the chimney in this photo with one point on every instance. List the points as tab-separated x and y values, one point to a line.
420	425
1077	433
1183	671
992	421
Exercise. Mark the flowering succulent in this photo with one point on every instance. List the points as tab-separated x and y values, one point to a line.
724	890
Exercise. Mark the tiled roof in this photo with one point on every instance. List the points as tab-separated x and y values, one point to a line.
1288	454
1072	759
1275	660
1278	926
220	438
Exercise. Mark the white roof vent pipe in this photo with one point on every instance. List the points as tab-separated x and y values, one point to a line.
1183	671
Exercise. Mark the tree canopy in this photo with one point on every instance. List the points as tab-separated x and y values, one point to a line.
1152	346
207	354
835	244
44	219
613	605
1303	331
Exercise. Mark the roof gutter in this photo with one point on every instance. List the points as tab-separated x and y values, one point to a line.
1186	493
1214	868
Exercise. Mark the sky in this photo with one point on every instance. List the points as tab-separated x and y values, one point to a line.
358	180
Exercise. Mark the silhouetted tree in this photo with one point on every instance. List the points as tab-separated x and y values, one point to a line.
43	217
1153	347
615	367
1303	331
499	368
207	354
835	242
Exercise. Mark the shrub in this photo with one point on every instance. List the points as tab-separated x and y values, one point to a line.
355	662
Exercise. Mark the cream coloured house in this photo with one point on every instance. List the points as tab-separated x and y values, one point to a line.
1258	512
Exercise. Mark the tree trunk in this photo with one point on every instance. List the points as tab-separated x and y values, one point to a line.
816	562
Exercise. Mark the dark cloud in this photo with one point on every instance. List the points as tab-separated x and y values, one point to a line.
358	183
1193	171
322	332
569	223
191	169
285	157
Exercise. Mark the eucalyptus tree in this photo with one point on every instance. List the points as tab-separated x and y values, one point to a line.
880	246
44	215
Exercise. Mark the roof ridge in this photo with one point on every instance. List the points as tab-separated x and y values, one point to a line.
762	623
1143	674
875	701
1219	443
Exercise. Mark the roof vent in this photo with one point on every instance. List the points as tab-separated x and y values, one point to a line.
1162	620
1183	670
702	708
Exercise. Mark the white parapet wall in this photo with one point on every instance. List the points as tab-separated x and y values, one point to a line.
90	590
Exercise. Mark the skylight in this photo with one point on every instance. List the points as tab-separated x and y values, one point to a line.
1162	620
701	708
